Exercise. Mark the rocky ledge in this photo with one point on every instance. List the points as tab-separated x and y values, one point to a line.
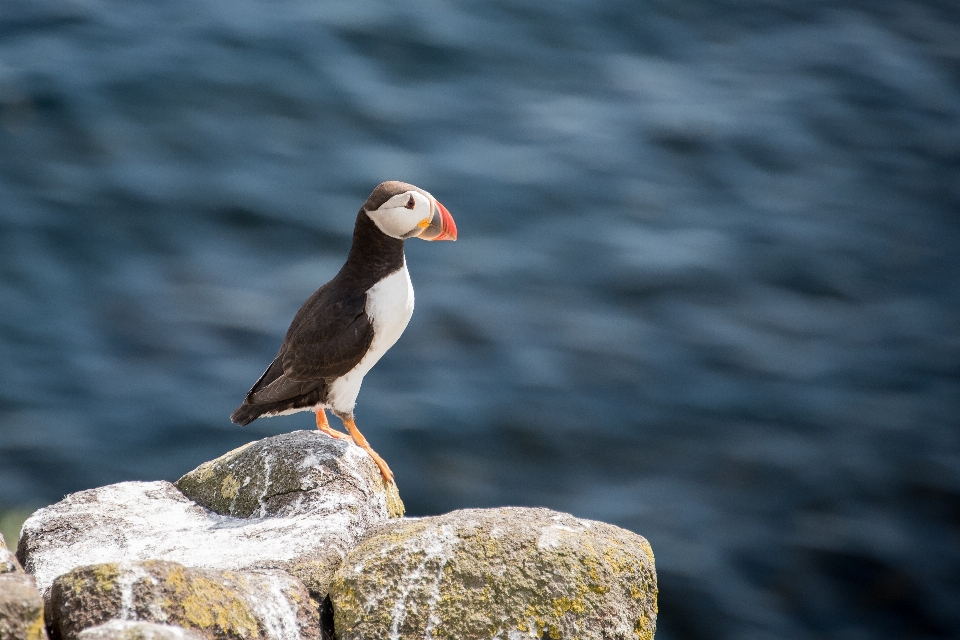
497	573
296	536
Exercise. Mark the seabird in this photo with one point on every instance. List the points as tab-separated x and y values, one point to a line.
347	325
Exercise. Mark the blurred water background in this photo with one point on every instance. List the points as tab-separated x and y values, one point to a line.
707	285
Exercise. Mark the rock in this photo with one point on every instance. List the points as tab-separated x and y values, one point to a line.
21	608
279	476
220	605
8	562
497	573
137	630
298	502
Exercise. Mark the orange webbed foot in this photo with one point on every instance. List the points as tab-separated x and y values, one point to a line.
361	442
324	427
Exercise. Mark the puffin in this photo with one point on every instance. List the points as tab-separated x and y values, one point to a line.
346	326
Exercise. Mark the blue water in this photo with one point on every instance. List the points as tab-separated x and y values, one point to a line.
707	285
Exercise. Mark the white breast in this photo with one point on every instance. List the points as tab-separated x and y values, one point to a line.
389	306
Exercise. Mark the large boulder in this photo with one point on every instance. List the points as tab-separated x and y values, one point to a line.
288	475
220	605
497	573
298	502
137	630
21	608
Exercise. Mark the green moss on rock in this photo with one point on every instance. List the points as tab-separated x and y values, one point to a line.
490	573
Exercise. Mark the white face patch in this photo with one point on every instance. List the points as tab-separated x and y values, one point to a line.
401	215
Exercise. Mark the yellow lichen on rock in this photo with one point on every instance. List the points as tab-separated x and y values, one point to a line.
21	608
204	472
36	630
229	487
219	605
642	628
563	605
395	506
474	573
209	604
104	576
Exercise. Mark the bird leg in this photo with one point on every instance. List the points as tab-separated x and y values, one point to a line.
324	426
361	442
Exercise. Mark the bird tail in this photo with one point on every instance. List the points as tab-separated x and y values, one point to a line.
245	414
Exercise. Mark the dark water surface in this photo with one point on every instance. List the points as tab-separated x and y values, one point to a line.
707	285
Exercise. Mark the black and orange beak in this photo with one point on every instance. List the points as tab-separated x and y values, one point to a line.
441	227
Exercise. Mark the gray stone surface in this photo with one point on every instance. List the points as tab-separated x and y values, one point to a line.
309	498
137	630
219	605
497	573
286	475
21	608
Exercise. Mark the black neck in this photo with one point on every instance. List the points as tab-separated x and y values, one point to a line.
373	253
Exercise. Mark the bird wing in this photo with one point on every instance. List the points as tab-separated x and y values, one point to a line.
326	339
274	386
324	354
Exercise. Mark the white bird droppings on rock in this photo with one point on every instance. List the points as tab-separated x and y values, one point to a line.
543	572
268	522
137	630
220	605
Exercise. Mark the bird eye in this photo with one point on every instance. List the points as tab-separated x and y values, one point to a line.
411	203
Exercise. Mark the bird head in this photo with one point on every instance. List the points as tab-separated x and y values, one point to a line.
404	211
